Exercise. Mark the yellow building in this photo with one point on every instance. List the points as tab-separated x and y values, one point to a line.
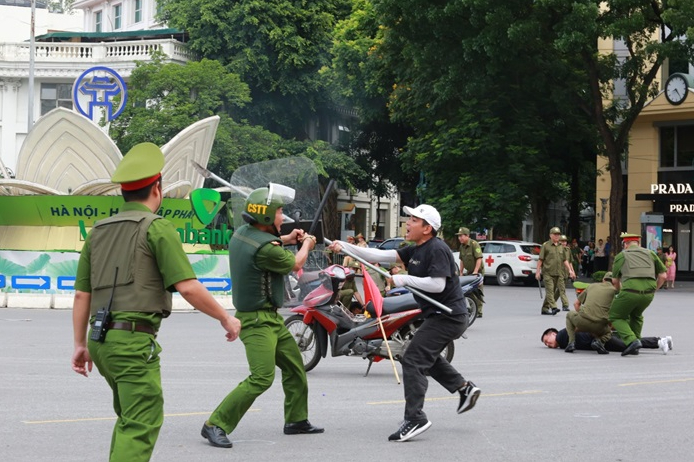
659	182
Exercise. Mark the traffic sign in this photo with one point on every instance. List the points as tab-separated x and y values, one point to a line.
2	281
66	282
31	282
216	284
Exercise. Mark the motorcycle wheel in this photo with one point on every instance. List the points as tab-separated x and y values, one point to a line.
471	310
305	337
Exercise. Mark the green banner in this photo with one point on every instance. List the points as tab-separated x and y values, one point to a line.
70	210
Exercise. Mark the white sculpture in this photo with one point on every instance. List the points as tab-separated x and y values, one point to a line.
68	154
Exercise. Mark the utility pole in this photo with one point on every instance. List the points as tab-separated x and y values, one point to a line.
32	51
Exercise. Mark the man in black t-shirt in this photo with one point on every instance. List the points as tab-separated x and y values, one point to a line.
431	269
553	338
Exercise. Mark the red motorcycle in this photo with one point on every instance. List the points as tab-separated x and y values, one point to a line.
321	317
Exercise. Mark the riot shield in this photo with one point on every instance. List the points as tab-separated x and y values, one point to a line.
300	174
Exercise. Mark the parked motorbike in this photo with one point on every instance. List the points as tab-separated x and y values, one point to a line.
322	319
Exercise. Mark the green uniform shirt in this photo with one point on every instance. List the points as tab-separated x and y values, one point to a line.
553	258
275	258
469	254
640	283
172	261
596	300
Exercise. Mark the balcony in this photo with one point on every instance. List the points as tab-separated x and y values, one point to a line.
56	59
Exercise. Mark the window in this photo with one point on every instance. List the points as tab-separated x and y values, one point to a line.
97	21
677	146
117	16
55	95
138	10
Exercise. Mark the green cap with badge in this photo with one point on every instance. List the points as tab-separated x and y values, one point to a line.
555	230
140	167
563	238
463	230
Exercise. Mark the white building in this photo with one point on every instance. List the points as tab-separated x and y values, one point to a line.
66	46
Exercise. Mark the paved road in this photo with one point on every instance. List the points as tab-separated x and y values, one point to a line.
537	404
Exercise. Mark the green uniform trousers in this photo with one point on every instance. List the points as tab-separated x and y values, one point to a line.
268	345
551	284
478	301
626	314
129	361
560	291
598	329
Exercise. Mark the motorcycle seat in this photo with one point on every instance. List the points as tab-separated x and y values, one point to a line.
465	280
397	304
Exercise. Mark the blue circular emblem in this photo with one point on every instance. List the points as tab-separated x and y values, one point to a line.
102	86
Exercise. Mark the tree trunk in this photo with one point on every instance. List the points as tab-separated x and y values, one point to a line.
540	226
615	214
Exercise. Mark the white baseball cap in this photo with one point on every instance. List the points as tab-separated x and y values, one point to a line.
427	213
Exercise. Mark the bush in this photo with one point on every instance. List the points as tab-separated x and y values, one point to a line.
598	275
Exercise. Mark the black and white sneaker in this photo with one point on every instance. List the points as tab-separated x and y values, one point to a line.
468	397
409	429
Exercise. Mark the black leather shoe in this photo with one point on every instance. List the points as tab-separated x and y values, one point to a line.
555	311
296	428
633	348
570	348
565	308
599	347
216	436
548	313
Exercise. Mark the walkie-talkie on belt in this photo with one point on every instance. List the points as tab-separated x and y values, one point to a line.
103	317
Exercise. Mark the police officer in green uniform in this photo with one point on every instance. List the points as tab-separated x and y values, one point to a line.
560	291
636	274
258	263
592	307
471	260
135	257
549	268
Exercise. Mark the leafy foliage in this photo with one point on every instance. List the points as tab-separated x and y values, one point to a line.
276	46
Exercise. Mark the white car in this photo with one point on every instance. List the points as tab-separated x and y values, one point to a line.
510	261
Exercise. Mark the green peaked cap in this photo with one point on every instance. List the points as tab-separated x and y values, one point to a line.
144	160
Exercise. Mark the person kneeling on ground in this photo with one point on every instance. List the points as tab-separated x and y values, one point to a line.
553	338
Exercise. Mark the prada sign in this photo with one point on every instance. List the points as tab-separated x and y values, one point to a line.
671	188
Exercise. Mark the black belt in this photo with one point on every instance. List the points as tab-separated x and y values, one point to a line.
641	292
133	327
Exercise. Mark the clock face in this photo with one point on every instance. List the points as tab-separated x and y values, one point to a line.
676	89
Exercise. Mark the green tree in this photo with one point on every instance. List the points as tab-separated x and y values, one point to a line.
494	134
276	46
376	143
166	98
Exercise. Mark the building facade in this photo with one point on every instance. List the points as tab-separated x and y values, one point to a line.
659	172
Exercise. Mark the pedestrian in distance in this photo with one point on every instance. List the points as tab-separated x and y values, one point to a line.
549	269
130	263
431	269
471	262
671	267
636	274
258	263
